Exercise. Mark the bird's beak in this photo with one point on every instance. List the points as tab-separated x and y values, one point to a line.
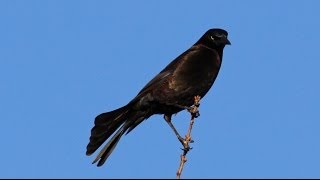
227	41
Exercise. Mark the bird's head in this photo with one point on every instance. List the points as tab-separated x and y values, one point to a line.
215	38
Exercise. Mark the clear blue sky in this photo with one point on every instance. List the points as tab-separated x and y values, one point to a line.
64	62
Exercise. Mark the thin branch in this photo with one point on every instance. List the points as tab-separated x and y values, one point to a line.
186	148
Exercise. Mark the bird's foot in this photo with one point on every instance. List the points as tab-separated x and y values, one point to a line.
194	111
185	143
184	140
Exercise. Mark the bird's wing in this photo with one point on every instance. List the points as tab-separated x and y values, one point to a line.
160	78
166	74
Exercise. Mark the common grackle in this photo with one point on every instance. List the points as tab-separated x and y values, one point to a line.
172	90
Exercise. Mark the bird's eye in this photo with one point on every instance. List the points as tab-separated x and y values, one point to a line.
212	38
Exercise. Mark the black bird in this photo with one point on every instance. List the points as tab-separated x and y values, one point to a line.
174	88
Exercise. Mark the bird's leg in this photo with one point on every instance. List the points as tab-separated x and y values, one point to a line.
180	138
194	114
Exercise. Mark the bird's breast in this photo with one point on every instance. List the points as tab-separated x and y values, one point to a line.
197	71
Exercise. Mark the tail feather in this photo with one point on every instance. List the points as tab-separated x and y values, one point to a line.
105	125
120	121
108	148
136	123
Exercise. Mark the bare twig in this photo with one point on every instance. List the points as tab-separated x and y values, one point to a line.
186	148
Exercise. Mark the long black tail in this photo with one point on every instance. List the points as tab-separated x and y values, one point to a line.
108	148
106	124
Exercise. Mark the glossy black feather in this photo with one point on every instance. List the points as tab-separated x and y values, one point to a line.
190	74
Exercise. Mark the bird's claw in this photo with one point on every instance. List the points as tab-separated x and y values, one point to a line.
188	148
185	143
194	111
197	114
182	140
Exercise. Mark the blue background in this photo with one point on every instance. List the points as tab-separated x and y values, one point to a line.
64	62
